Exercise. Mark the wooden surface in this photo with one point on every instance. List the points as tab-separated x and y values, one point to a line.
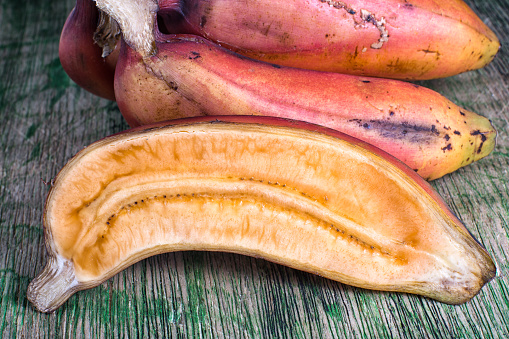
45	119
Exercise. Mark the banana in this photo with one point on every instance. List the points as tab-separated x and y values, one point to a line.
191	76
403	39
88	64
394	39
293	193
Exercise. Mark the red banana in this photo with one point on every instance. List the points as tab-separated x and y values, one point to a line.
81	57
403	39
191	76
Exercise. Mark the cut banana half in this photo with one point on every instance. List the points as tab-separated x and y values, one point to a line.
293	193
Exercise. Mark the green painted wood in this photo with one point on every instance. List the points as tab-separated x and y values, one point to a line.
45	119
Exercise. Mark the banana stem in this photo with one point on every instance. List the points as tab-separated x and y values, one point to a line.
54	285
107	34
136	19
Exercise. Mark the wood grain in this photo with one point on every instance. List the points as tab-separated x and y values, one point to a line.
46	119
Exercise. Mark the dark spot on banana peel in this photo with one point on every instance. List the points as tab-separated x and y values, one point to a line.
203	21
483	139
412	133
457	132
447	148
194	55
173	85
474	133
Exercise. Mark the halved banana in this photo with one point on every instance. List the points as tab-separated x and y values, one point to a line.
293	193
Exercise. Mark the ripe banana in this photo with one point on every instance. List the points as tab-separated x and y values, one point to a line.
256	186
88	64
394	39
190	76
404	39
